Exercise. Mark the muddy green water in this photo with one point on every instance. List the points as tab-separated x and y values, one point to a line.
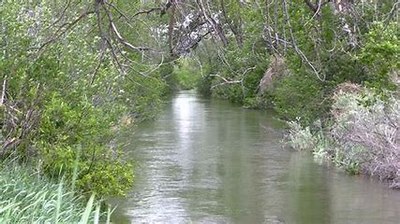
208	161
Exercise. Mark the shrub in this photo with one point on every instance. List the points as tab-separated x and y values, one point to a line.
380	55
300	138
300	95
367	129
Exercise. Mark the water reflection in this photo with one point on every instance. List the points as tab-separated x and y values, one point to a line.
309	198
211	162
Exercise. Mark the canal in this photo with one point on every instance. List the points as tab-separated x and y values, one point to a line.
208	161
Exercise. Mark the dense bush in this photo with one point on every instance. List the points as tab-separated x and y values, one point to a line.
367	129
381	55
300	95
363	135
359	129
63	104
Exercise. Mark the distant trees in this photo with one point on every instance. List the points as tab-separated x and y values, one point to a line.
321	43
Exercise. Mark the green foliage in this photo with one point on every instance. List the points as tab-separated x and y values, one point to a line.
332	52
348	160
251	103
300	95
203	85
244	67
143	96
65	105
166	72
380	54
242	63
70	132
320	50
187	73
106	169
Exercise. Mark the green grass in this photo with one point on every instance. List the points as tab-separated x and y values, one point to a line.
26	197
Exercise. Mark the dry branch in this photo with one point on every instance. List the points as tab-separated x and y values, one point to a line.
3	92
61	32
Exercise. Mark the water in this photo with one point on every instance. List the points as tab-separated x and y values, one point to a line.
208	161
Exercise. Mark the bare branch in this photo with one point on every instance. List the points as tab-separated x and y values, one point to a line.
216	27
70	25
227	81
296	48
67	5
3	91
119	36
148	11
393	11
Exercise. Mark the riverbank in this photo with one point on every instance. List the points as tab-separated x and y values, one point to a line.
362	136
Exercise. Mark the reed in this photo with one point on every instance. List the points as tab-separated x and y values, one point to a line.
26	197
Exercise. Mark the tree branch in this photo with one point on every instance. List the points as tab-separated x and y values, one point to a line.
3	91
70	26
119	36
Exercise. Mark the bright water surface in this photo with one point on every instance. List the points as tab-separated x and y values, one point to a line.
208	161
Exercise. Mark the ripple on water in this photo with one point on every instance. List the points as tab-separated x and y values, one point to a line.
207	161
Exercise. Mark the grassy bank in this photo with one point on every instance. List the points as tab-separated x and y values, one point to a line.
26	197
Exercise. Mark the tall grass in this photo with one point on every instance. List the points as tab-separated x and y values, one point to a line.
29	198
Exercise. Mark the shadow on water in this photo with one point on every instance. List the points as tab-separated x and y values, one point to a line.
207	161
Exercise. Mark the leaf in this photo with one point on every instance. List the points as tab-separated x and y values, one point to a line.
88	210
9	207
